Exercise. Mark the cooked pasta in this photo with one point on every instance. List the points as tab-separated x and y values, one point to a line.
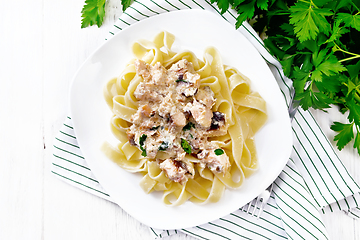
225	91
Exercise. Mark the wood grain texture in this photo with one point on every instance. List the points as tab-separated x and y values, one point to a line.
41	47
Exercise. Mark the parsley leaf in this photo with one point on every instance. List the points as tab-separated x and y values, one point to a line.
357	142
331	84
349	20
337	31
309	20
301	77
354	111
163	146
181	80
340	4
93	13
155	128
287	64
354	70
142	139
188	126
125	4
328	66
246	11
143	153
219	152
262	4
345	133
310	98
222	4
186	146
141	144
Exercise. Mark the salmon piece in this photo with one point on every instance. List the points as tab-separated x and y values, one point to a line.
192	78
179	119
185	89
152	148
188	81
173	170
145	92
131	137
197	143
216	163
142	114
185	71
205	96
182	66
201	114
166	106
158	74
145	110
143	69
218	126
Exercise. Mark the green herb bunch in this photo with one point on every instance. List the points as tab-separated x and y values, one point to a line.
317	43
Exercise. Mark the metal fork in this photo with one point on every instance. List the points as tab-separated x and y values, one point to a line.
260	201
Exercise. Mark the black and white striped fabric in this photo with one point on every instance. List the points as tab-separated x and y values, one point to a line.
313	182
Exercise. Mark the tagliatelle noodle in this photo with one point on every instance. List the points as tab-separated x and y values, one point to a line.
245	113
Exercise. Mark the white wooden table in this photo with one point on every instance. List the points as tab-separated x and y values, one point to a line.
41	47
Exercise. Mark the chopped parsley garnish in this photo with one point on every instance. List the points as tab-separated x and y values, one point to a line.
142	139
163	146
188	126
219	152
186	146
141	143
181	80
154	128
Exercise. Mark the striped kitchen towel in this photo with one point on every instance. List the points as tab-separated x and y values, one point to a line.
313	182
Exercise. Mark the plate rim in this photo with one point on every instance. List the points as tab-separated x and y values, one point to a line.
99	49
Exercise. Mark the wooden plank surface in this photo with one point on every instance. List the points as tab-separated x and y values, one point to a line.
41	47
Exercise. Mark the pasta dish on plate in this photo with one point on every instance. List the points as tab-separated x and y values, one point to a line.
187	125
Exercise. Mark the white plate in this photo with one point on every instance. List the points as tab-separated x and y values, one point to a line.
194	30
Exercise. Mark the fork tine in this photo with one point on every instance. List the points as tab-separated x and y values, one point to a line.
259	202
256	205
248	209
265	199
261	209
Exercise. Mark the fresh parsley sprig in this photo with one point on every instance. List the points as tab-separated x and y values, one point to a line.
316	42
93	12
